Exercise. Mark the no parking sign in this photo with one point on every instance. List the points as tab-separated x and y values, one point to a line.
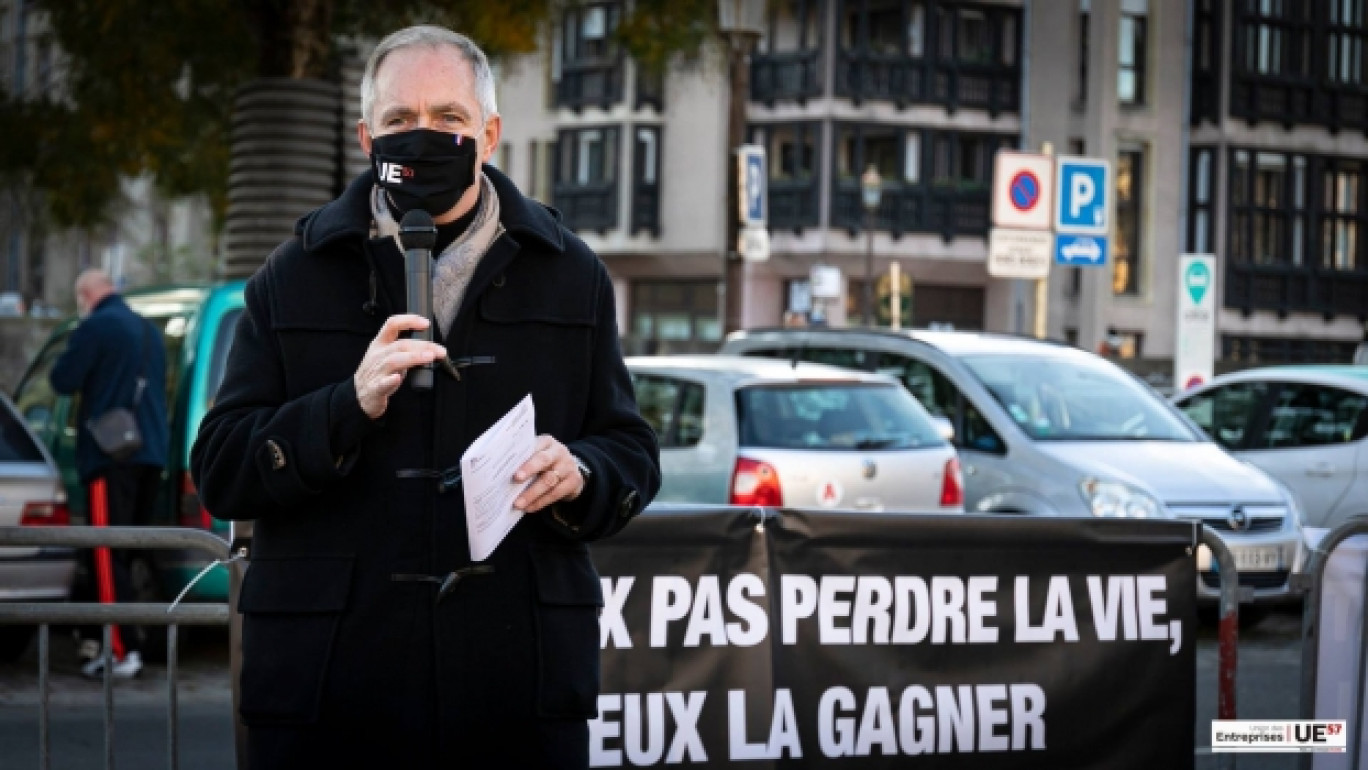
1023	190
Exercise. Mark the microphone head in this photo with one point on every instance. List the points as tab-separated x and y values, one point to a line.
417	231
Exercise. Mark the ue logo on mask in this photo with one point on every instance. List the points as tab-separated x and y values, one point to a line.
394	173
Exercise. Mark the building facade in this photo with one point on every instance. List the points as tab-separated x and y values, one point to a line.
1234	127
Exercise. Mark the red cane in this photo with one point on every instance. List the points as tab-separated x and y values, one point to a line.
104	567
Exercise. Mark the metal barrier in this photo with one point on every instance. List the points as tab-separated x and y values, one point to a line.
45	614
147	614
1313	578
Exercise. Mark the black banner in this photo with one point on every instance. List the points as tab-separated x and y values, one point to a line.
825	640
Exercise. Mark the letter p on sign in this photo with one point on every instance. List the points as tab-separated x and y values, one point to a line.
1081	194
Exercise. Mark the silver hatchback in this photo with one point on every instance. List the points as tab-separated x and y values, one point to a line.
1047	429
747	431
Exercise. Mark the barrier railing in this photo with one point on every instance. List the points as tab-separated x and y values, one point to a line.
1313	580
44	615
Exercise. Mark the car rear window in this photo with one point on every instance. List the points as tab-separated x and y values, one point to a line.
16	445
833	416
223	344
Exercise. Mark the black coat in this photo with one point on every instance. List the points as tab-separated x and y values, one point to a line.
345	665
104	357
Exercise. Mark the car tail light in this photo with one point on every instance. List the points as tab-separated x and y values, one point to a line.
952	484
192	514
45	515
756	483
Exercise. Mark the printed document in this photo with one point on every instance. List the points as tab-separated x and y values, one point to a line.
487	469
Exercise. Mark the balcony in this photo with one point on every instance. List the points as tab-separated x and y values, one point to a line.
583	85
1286	289
793	204
587	208
944	210
786	77
904	80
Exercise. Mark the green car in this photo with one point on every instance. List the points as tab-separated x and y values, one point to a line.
197	324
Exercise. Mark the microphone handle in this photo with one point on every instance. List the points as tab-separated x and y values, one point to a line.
418	288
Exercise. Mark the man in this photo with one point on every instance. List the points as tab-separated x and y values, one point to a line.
115	359
370	639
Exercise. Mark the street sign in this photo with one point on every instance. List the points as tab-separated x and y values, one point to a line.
826	282
1019	253
1083	204
1080	250
752	178
1195	358
754	244
1023	190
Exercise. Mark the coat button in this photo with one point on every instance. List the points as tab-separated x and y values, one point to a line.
277	455
628	505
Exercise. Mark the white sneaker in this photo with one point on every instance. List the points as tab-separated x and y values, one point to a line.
127	668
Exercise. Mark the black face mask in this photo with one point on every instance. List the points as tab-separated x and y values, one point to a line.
424	169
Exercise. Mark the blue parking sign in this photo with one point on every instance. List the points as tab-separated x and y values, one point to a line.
1083	196
1081	250
753	179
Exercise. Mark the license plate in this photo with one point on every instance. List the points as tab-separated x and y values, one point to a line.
1255	559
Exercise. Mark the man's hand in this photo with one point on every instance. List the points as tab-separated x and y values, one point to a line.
558	476
388	357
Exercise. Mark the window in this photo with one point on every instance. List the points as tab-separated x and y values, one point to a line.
1276	37
586	64
675	312
1339	225
832	416
218	363
963	160
1225	413
586	178
1130	192
1199	237
1260	207
16	445
646	180
1313	415
793	26
975	37
1344	49
1130	77
942	399
793	172
673	408
1253	351
35	398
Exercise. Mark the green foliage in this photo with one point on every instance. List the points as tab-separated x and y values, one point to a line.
148	86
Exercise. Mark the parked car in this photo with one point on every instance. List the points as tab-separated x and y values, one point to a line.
1306	426
30	495
743	431
197	324
1047	429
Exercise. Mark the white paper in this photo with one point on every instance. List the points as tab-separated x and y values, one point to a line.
487	469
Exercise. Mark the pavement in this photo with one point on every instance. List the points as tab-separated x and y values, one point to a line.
1268	686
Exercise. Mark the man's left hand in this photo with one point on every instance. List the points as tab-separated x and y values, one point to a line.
555	476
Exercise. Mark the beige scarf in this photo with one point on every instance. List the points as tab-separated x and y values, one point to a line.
454	267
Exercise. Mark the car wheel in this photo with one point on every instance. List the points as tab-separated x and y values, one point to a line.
14	642
147	589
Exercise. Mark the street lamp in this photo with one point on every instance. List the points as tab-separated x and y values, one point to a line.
740	23
871	191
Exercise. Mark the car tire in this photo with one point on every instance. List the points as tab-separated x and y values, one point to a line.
147	589
14	642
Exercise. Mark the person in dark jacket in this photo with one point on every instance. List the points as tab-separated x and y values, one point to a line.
114	359
370	637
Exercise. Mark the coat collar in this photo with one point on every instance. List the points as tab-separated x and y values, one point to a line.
349	216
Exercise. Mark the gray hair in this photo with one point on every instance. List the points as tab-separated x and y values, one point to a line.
431	36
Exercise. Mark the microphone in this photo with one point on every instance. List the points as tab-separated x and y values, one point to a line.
418	235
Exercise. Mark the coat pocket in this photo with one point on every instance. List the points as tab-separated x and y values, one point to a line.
290	608
569	596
